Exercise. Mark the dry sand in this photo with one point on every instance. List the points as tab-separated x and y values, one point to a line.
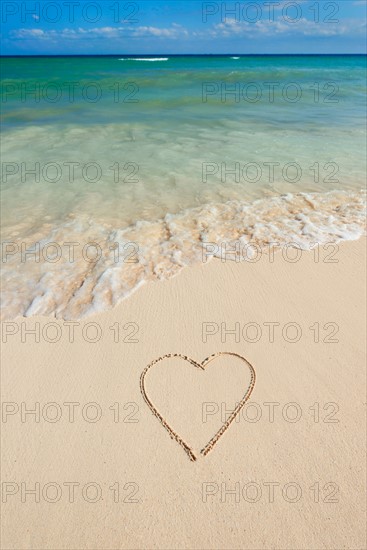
294	480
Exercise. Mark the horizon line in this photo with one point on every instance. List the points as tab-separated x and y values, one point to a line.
184	54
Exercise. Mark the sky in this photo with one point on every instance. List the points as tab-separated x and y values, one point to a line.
72	27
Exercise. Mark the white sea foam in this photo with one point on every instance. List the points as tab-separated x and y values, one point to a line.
75	289
144	59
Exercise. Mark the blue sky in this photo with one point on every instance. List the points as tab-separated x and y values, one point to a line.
177	27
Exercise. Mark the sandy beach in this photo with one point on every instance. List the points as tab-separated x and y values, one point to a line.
183	275
93	468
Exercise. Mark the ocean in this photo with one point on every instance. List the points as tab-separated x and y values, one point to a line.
117	170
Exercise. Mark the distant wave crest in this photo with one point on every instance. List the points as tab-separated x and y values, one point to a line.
144	59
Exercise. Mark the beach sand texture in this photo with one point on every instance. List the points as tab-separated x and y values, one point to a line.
282	482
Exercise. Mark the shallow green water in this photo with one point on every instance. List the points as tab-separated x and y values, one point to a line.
103	144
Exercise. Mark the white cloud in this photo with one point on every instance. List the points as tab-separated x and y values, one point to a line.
231	28
304	27
35	17
176	31
154	31
28	33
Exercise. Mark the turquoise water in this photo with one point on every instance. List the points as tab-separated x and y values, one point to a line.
125	148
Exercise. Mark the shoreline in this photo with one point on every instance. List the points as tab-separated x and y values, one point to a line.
80	268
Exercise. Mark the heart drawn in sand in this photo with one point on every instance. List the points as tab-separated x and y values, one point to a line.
214	440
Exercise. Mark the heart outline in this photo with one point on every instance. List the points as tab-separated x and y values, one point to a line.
214	440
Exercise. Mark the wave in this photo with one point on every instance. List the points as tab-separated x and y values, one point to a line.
144	59
123	258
